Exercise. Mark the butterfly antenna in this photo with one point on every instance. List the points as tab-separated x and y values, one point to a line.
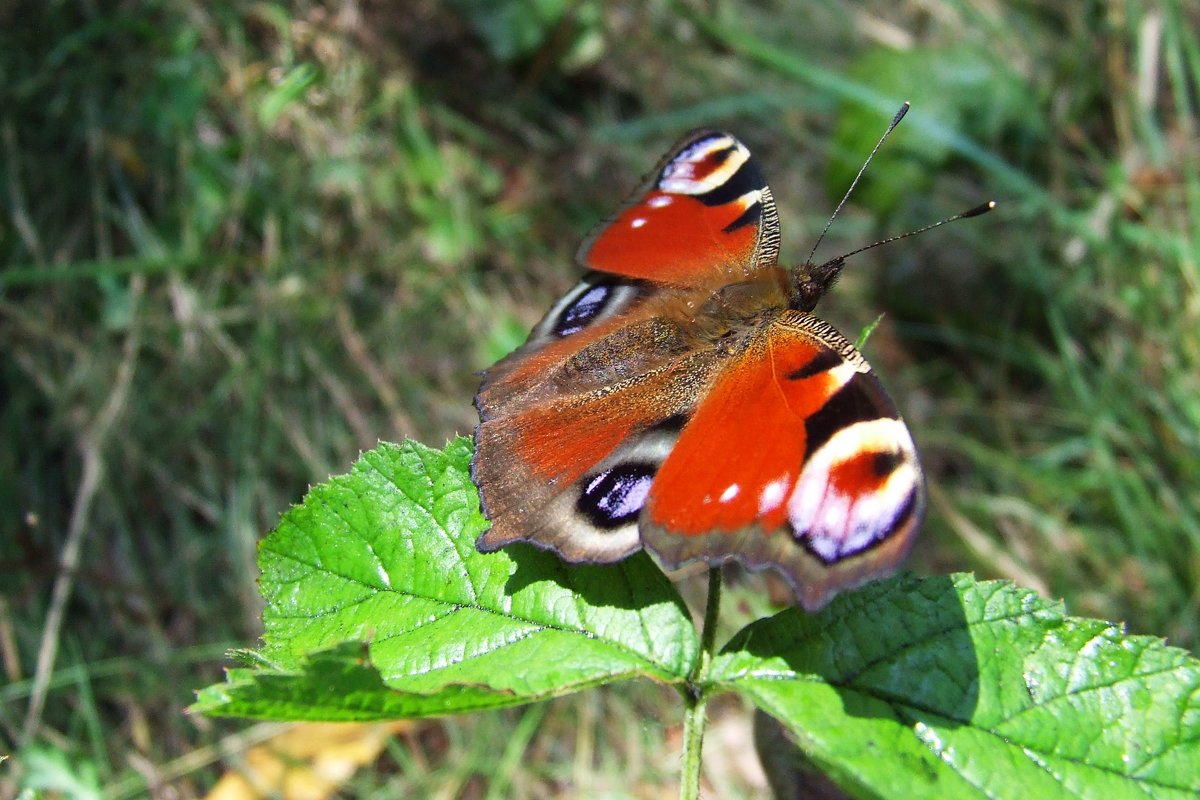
974	212
891	127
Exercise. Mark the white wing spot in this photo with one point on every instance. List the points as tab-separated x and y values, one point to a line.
749	199
772	495
639	222
731	491
591	487
627	497
658	201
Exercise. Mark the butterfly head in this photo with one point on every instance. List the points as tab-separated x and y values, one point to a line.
808	283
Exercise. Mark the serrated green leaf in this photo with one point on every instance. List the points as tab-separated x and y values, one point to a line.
386	556
951	688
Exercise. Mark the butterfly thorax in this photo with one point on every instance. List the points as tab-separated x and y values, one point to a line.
725	318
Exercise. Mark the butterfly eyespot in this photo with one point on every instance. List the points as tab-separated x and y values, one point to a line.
583	309
615	496
590	302
707	166
855	489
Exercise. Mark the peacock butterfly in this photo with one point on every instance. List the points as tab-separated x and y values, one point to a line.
683	398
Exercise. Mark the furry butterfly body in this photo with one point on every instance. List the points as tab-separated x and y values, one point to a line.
684	398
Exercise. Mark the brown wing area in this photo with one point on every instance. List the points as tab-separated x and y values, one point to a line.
596	308
795	460
574	430
547	368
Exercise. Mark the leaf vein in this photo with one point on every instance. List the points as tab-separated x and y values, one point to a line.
1008	740
616	644
427	512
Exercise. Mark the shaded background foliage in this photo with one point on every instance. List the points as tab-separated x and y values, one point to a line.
243	241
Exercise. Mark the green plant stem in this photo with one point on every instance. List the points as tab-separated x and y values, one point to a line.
693	741
695	696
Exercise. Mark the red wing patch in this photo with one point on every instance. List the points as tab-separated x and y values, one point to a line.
796	460
704	218
739	457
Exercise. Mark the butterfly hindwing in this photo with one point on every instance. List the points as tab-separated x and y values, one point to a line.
704	217
797	460
591	513
575	424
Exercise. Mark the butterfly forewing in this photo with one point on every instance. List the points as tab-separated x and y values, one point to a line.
704	217
796	459
597	307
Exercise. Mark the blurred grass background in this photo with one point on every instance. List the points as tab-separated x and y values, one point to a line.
242	241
